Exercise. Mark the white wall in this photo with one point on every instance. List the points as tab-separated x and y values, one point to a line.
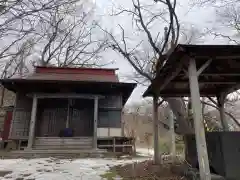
109	132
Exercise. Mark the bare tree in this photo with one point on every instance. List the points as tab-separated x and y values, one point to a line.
19	19
227	13
72	42
139	123
150	49
160	45
227	28
131	125
52	32
49	32
146	62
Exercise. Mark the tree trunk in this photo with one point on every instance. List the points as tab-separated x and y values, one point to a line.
157	155
179	110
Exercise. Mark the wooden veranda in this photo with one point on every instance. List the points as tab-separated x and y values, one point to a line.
198	71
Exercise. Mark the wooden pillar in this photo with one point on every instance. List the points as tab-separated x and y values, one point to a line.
157	156
13	116
122	124
114	143
68	113
221	102
172	134
95	122
198	122
32	123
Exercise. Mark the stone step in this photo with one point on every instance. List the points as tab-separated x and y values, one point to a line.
60	151
64	144
34	153
61	141
44	143
77	147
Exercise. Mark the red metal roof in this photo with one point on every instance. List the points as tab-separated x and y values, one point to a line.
72	74
82	70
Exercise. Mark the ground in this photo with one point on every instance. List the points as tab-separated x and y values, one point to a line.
61	169
147	170
64	169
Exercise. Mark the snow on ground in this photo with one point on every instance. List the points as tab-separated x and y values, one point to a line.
145	152
51	168
63	169
150	152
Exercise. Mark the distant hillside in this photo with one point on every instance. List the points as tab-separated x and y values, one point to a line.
234	109
138	122
140	126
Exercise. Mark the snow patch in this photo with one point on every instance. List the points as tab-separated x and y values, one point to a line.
52	169
145	152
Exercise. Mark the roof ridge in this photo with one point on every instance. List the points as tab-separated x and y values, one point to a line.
77	68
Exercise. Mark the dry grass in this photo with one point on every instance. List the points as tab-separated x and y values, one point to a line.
148	171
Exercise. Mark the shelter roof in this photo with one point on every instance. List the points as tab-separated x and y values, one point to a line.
221	73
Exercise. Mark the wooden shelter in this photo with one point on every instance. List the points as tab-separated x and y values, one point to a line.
199	70
218	68
88	101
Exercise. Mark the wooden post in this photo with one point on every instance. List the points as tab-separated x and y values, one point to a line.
68	113
198	122
95	122
32	123
114	143
221	101
172	134
13	117
122	124
157	157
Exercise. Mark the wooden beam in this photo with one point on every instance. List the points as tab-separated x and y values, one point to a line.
95	122
157	155
231	89
201	69
221	74
215	74
65	95
178	81
217	56
204	66
168	79
169	93
198	122
32	123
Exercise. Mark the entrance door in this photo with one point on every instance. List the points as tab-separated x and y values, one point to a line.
81	118
51	117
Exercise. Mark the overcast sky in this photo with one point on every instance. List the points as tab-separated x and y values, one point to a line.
200	18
